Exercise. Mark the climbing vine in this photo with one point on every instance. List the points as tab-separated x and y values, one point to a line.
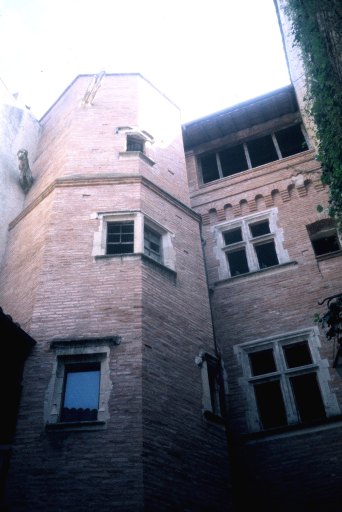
317	30
331	320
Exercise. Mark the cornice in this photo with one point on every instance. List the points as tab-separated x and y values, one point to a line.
80	180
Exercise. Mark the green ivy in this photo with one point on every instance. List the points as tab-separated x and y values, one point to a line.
315	25
331	320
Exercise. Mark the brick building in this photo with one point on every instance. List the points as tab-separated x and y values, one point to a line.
170	277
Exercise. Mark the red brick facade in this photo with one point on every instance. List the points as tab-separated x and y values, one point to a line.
148	324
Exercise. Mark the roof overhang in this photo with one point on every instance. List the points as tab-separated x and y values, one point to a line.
239	117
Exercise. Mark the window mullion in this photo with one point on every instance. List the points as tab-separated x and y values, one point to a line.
218	161
249	162
250	253
276	145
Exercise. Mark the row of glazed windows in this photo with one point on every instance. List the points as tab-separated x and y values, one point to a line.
285	383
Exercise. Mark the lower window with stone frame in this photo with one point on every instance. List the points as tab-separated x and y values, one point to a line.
214	385
80	385
286	381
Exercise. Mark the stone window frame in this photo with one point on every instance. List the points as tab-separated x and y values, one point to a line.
213	397
168	255
319	366
249	242
73	352
143	137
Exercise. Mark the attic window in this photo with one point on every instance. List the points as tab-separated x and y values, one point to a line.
262	150
135	143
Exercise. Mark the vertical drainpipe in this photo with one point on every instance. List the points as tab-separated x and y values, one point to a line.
237	474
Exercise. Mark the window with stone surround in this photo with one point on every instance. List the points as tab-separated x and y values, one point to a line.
324	237
80	385
128	233
285	381
214	385
252	153
249	244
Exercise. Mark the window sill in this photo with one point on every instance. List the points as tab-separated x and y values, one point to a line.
258	273
136	155
292	430
76	425
143	257
328	256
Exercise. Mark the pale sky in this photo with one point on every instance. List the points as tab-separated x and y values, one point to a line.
205	55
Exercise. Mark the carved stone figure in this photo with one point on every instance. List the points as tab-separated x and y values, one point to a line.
26	178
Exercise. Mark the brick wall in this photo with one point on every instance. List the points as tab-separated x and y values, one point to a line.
299	470
156	450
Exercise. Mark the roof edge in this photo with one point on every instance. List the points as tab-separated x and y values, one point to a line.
83	75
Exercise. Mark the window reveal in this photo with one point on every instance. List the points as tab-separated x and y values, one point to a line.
152	244
262	150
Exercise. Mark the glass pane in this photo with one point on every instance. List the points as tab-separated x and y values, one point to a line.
120	237
82	389
209	168
233	160
262	151
262	362
152	244
237	262
291	140
308	397
260	228
297	354
266	254
232	236
270	404
113	227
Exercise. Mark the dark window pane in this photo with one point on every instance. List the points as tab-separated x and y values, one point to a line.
297	354
120	237
237	262
214	386
308	397
233	160
291	141
270	404
232	236
266	254
209	168
260	228
326	244
135	144
262	362
152	244
81	393
262	151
